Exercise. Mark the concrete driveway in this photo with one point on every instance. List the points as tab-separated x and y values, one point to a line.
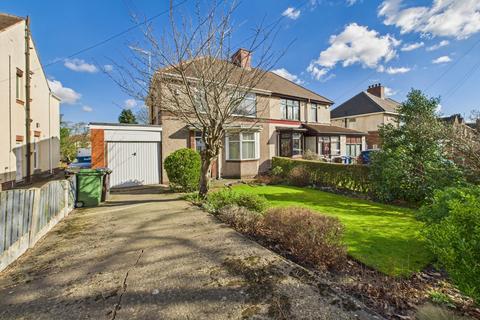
149	255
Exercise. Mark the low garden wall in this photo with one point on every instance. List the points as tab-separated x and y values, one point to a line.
26	215
353	177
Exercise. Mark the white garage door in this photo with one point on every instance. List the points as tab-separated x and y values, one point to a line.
133	163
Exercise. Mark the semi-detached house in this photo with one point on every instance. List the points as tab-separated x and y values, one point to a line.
289	119
32	121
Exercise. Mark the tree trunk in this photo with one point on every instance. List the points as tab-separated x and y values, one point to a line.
204	179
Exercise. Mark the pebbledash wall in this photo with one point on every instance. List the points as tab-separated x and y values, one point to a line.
26	215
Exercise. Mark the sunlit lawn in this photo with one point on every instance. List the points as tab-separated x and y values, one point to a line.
381	236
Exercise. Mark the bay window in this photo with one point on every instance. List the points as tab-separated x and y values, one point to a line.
242	146
290	109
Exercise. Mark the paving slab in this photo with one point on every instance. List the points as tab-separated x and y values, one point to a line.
147	254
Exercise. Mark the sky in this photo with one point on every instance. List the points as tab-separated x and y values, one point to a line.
336	48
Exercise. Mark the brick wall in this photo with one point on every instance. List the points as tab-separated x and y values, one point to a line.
97	140
373	140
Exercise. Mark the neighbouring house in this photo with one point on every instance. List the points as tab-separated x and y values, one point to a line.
288	120
30	122
366	112
468	129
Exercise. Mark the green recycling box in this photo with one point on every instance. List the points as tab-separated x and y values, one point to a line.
89	187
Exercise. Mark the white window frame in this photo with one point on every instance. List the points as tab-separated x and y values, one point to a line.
286	108
313	108
249	97
240	141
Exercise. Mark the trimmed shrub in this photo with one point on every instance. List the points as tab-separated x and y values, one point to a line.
299	176
452	231
183	169
308	235
353	177
227	197
310	155
241	219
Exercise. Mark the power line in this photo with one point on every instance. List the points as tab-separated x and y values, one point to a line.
461	82
451	66
110	38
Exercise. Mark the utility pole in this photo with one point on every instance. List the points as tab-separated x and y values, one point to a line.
27	99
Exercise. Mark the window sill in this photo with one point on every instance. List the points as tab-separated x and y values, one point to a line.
20	102
243	160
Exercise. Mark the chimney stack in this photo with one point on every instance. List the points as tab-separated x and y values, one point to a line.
377	90
242	58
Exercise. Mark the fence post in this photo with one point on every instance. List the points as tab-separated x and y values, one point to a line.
65	186
35	217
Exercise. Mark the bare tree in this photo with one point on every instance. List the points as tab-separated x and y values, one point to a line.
194	79
142	115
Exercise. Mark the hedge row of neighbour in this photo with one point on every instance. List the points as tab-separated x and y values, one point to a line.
353	177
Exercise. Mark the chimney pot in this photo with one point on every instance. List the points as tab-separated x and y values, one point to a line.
377	90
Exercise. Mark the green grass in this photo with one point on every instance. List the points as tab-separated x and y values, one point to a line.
381	236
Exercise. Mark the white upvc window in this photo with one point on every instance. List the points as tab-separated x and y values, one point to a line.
313	113
248	106
242	146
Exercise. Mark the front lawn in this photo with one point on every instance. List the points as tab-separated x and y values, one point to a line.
381	236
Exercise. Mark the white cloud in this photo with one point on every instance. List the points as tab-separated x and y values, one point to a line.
442	59
442	43
80	65
130	103
68	95
438	110
291	13
282	72
448	18
351	2
412	46
108	68
391	70
390	92
354	45
87	109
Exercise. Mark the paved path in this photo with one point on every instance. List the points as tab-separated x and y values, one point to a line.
148	255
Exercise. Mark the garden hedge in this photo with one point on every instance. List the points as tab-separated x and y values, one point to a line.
353	177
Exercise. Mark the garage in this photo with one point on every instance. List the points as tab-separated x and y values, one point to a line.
132	152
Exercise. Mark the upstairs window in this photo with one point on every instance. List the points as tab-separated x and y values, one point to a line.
290	109
313	113
248	106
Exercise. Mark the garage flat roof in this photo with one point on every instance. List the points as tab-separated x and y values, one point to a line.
124	126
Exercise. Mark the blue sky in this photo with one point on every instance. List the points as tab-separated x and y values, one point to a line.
339	47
